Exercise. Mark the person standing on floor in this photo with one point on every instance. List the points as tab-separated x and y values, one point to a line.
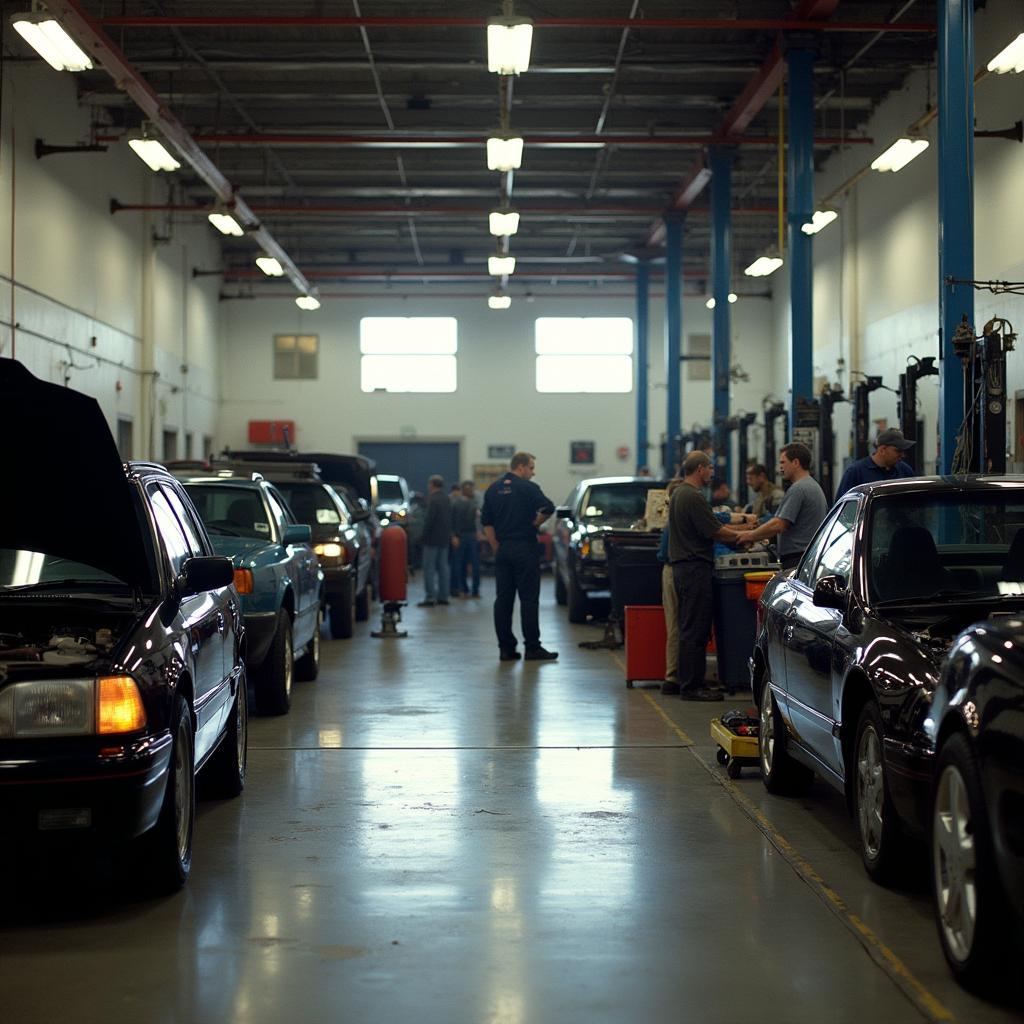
693	530
766	497
668	599
467	554
802	509
437	536
884	463
514	507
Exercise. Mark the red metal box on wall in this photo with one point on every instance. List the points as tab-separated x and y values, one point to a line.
271	431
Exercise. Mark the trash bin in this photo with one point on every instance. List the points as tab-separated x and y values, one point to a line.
634	572
735	616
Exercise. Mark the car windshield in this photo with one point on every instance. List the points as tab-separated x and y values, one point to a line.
967	546
310	503
389	490
21	569
616	502
231	511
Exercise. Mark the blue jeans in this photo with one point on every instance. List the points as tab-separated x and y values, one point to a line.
435	572
466	554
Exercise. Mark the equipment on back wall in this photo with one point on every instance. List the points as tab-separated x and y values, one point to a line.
862	414
772	412
814	429
742	425
906	406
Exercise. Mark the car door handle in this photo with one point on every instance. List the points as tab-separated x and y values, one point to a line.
788	632
221	623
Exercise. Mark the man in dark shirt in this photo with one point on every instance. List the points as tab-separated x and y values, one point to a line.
437	537
467	554
514	507
884	463
693	530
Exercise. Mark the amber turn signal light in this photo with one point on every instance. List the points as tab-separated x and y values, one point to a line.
118	705
243	581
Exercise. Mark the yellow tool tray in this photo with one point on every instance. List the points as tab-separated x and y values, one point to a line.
735	746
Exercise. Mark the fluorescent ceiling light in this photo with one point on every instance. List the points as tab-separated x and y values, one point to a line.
307	302
499	301
270	266
45	35
711	302
225	224
508	45
498	266
154	154
1010	59
503	222
504	152
763	266
899	154
821	219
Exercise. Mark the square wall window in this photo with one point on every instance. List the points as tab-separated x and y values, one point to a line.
584	355
408	353
295	356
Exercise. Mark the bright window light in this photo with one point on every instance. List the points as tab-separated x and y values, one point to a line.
499	301
225	224
899	154
763	266
821	219
503	222
51	42
270	266
408	354
498	266
508	45
710	304
584	355
504	153
154	154
1010	59
307	302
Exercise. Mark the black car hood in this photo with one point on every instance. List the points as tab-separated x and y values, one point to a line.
352	471
68	493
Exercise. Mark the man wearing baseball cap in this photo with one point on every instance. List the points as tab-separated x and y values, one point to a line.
884	463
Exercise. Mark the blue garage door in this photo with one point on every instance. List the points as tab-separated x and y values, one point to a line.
415	460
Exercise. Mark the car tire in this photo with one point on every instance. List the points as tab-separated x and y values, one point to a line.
561	598
576	600
363	603
225	771
343	612
166	849
882	842
970	906
274	683
779	772
307	668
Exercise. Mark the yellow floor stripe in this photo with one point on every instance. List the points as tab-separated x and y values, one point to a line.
687	742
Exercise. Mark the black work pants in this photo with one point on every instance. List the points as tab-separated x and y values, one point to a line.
693	589
517	570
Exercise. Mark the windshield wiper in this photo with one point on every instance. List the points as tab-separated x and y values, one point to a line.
70	582
949	594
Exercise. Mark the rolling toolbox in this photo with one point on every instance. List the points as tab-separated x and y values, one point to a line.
645	642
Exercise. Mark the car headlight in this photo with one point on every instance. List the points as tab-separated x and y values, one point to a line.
330	551
71	707
597	547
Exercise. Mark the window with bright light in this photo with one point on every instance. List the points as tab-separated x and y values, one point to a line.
584	355
408	353
295	356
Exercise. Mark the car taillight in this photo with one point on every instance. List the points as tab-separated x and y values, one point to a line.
118	705
243	581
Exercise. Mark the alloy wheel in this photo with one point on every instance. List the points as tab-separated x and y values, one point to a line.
954	862
241	725
289	664
183	783
766	745
870	790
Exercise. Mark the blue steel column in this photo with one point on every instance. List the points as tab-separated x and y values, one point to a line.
956	208
800	200
640	356
673	327
721	270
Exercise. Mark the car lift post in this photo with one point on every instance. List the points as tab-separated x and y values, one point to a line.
906	407
772	412
862	413
743	422
827	439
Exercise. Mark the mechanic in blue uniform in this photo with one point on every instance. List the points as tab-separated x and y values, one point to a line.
884	463
514	507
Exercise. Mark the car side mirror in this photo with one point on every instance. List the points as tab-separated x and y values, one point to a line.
563	512
360	515
209	572
298	533
830	592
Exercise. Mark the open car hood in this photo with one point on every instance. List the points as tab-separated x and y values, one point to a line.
67	490
352	471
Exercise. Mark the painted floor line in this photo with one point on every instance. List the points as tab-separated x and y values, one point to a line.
511	746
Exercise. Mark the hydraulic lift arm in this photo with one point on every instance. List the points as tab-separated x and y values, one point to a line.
906	406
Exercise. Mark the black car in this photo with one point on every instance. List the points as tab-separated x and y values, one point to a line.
851	643
393	500
592	509
121	650
977	820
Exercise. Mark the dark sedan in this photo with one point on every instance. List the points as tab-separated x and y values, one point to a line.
121	670
592	509
851	643
977	822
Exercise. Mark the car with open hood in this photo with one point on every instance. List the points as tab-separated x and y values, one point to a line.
121	641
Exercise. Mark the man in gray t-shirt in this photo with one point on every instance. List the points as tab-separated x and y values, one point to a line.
802	510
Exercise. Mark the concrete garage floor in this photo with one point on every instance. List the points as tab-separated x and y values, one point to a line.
432	835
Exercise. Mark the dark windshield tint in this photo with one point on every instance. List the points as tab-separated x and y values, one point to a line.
229	511
956	544
19	568
618	503
311	504
389	490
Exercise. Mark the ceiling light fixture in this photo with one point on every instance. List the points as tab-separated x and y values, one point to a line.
307	302
1010	59
44	34
821	219
503	223
270	266
504	152
153	153
899	154
508	45
499	301
711	302
226	224
763	266
500	265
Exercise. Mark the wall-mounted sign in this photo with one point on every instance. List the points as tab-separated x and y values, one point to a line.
272	432
581	453
501	451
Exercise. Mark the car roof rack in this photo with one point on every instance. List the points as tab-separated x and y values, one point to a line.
290	470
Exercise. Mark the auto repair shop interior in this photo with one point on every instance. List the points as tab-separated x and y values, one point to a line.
265	269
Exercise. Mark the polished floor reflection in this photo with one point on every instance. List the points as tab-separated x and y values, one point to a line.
432	835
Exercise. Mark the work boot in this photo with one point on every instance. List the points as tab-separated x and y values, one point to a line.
428	603
540	654
670	688
704	693
508	654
